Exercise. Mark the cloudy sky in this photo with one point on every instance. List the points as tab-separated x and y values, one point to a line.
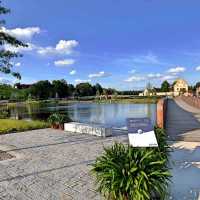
120	44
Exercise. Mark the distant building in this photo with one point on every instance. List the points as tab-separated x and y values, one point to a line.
180	87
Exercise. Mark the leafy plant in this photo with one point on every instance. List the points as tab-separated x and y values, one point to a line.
164	148
127	173
57	119
4	114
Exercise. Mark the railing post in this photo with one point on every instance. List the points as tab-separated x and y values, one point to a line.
161	112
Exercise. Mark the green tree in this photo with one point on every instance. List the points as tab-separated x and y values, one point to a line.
99	88
6	55
41	90
71	89
165	86
84	89
60	88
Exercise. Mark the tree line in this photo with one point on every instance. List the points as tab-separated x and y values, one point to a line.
56	89
45	89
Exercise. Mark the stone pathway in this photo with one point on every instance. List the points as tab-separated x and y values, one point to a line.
54	165
182	121
50	165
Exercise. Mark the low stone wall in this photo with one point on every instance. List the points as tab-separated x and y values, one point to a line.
91	129
193	101
161	112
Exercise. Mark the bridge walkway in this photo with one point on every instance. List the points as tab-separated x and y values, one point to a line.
182	121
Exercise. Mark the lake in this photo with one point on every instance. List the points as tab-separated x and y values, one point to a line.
110	114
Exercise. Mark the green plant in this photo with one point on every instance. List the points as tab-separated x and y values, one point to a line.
53	119
127	173
164	148
4	114
57	119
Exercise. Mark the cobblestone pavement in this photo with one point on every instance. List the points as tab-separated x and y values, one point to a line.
50	165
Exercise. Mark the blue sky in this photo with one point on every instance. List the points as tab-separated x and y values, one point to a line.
120	44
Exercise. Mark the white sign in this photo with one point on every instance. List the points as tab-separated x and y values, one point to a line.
141	133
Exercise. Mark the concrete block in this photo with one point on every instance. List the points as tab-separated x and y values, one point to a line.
92	129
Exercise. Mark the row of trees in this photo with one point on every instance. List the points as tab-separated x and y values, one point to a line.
61	89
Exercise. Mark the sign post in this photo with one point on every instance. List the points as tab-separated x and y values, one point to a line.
141	132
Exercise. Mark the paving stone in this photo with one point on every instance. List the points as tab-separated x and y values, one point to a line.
53	165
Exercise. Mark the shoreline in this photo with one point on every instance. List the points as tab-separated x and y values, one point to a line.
136	100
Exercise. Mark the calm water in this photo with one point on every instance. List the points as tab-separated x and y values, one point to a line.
109	114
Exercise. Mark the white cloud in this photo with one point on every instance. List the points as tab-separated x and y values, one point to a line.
176	70
135	79
30	47
99	75
73	72
82	81
65	47
154	76
18	64
149	58
132	71
64	62
198	68
22	33
168	77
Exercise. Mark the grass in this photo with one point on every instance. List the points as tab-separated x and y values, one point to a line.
11	125
133	100
118	99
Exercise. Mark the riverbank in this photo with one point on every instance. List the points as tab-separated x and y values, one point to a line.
118	99
11	125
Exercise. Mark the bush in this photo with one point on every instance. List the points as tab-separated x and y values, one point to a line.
4	114
57	119
127	173
164	148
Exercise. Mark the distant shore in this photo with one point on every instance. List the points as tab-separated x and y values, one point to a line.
118	99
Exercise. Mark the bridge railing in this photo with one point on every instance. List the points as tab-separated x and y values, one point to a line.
161	112
193	101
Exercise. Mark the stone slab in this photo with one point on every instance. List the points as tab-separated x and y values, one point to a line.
91	129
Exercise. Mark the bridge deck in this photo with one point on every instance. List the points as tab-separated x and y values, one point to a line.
182	121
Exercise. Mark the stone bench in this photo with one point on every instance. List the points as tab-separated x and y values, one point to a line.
92	129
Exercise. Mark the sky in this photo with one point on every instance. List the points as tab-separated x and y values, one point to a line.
123	44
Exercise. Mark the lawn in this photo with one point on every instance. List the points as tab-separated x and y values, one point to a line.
11	125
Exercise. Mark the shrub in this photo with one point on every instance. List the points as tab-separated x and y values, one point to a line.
164	148
57	119
127	173
4	114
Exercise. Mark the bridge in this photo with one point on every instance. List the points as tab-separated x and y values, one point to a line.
181	118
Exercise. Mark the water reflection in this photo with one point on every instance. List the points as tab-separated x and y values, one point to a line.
110	114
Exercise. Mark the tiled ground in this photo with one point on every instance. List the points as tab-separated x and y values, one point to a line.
50	164
55	165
